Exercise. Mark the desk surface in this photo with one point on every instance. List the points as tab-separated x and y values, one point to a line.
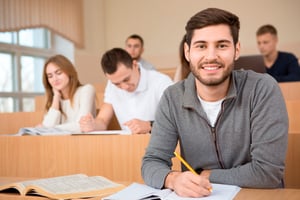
244	194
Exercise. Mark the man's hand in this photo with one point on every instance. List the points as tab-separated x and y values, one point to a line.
138	126
87	123
187	184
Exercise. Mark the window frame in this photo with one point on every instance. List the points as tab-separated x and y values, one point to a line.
17	51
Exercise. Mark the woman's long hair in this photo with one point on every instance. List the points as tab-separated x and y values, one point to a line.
67	67
185	65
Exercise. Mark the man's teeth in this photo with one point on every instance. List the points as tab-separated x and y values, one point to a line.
210	68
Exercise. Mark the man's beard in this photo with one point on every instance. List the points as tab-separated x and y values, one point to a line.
211	81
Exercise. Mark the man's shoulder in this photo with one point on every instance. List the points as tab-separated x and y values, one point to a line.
146	65
288	55
251	79
156	75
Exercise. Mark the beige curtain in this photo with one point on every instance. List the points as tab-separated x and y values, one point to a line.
64	17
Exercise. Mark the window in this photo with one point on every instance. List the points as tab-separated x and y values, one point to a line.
22	57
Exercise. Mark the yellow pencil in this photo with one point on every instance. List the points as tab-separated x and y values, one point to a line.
185	163
188	166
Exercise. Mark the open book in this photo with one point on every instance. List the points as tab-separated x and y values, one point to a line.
57	131
65	187
106	132
42	131
137	191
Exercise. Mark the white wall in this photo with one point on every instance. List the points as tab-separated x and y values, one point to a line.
88	59
161	23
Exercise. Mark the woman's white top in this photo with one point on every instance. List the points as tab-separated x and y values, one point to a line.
83	103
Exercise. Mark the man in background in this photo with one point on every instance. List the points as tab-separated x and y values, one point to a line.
282	66
132	94
134	45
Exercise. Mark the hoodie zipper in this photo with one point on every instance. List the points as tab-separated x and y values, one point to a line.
213	131
214	134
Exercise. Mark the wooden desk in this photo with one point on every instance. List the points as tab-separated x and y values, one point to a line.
272	194
244	194
290	90
293	109
292	162
117	157
12	122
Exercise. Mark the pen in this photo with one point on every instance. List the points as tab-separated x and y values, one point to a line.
187	166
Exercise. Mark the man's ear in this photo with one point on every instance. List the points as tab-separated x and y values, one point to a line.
237	50
186	51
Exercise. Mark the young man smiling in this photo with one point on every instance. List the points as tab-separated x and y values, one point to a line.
231	125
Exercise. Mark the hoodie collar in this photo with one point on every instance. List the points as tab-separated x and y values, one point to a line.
190	97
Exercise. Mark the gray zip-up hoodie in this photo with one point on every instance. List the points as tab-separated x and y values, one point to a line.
247	145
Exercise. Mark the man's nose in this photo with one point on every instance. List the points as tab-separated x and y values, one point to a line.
211	53
124	86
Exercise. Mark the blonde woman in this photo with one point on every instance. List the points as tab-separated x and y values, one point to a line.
67	99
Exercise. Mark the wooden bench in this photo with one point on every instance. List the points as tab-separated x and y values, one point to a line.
168	71
291	94
292	173
11	122
290	90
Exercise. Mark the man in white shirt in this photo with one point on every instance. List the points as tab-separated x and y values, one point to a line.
134	45
132	94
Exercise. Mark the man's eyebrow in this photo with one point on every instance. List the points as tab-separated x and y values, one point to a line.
219	41
122	80
199	41
224	41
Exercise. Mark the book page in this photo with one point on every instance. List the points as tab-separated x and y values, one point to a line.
143	192
72	186
12	185
220	192
137	191
41	131
107	132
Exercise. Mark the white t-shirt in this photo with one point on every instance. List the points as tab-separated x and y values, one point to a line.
212	109
84	103
140	104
